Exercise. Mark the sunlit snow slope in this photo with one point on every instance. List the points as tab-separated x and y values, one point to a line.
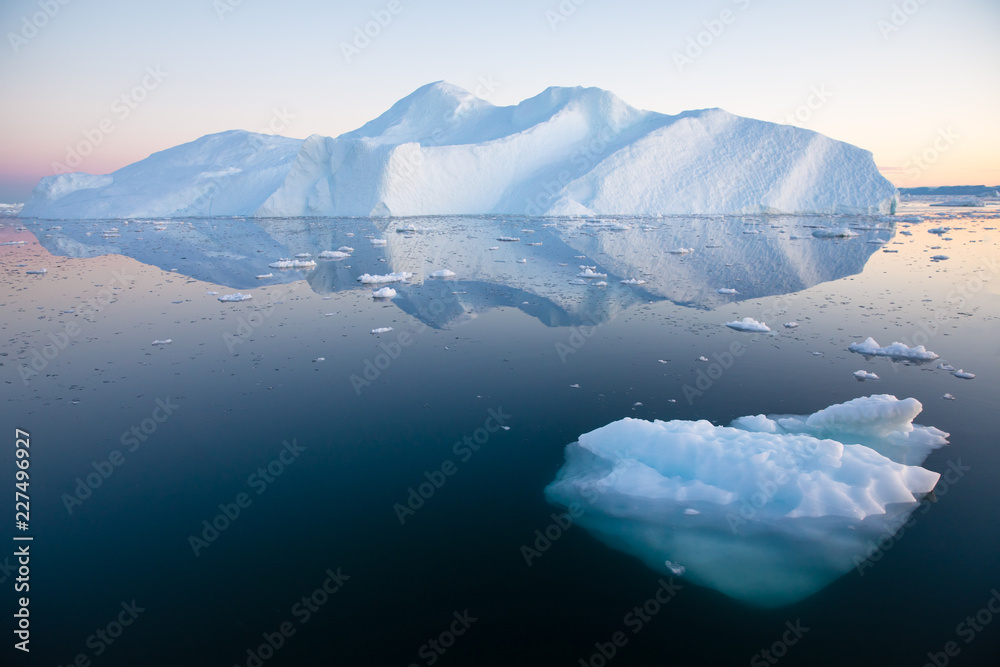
441	150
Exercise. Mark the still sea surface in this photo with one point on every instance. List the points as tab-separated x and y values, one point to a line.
278	485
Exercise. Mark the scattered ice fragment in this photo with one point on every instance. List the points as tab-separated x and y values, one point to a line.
12	243
292	264
600	283
691	512
675	569
588	272
37	272
895	351
443	273
835	233
574	386
211	293
748	324
817	354
637	404
939	258
334	254
945	367
865	375
964	375
165	341
663	361
345	248
940	231
379	242
506	428
790	325
702	358
522	261
948	397
265	276
382	330
727	290
633	281
369	279
384	293
235	297
680	251
494	247
508	239
578	281
303	255
319	359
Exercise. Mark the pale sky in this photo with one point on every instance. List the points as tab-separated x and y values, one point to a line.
122	79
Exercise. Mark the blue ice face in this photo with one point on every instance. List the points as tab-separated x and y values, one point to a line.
768	510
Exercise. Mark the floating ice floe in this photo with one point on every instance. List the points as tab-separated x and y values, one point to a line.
896	351
235	297
962	374
748	324
948	397
265	276
368	279
319	359
865	375
835	233
165	341
334	254
680	251
945	367
384	293
381	330
522	261
37	272
292	264
727	290
508	239
494	247
303	255
768	510
791	325
633	281
379	242
600	283
443	273
211	293
590	273
12	243
702	358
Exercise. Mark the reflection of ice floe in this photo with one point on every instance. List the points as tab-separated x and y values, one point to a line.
837	233
292	264
871	348
768	510
235	297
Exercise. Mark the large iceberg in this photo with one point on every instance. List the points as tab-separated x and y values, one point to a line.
442	150
769	509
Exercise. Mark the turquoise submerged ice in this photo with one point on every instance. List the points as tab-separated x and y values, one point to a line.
768	510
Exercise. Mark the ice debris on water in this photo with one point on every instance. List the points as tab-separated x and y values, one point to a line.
748	324
897	350
239	296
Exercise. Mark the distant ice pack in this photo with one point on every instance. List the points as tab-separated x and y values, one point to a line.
767	510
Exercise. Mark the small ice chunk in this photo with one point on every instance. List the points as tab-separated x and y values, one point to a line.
292	264
304	255
443	273
588	272
865	375
945	367
384	293
381	330
522	261
368	279
633	281
265	276
508	239
235	297
37	272
748	324
702	358
791	325
948	397
727	290
964	375
677	570
680	251
895	351
574	386
211	293
334	254
165	341
379	242
319	359
494	247
835	233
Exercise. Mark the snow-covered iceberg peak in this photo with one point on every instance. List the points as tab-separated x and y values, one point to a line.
441	150
768	510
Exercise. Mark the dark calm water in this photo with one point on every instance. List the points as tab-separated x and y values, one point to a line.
382	414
